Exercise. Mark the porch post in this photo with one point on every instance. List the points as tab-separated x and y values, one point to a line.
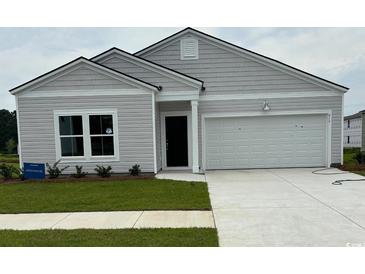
195	138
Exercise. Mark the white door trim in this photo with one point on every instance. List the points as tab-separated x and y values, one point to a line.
163	138
327	112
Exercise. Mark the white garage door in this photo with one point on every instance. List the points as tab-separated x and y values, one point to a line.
263	142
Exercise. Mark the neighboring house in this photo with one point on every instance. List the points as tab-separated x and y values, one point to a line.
352	130
190	101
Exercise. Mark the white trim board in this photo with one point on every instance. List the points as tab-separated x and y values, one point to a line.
82	92
154	134
270	113
168	96
86	136
342	126
304	94
18	129
163	115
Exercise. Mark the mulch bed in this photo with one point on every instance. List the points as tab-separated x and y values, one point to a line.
353	167
88	178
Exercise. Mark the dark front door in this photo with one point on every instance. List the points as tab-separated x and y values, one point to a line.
176	141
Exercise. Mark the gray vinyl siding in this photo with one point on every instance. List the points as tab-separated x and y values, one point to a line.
224	72
168	83
283	104
134	125
81	78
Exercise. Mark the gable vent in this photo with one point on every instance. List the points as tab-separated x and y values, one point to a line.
189	49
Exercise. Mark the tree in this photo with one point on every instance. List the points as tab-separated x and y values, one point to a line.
8	128
11	146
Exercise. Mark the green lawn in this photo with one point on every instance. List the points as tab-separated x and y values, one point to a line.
9	158
148	194
111	237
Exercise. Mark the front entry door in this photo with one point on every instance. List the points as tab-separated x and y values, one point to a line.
176	141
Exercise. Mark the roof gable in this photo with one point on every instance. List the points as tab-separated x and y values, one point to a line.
84	66
243	52
146	64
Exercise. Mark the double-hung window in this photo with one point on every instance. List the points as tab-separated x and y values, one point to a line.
102	135
86	135
71	135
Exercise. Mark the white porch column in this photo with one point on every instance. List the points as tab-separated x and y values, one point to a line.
194	133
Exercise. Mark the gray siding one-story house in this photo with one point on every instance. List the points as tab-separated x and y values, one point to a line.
190	101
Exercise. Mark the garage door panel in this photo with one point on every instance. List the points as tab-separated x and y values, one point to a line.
259	142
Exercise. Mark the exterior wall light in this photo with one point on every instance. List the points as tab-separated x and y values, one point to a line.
266	106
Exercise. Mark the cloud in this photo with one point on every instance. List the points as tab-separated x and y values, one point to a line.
337	54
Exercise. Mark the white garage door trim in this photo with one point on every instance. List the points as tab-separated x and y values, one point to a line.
262	114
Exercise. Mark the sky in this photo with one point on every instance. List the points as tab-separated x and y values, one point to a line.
336	54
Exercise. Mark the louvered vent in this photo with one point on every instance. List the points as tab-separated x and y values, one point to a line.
189	49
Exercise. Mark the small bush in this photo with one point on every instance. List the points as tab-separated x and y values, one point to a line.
360	157
79	173
20	173
54	171
103	171
135	170
7	171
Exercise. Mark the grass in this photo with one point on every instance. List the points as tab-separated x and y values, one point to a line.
187	237
148	194
9	158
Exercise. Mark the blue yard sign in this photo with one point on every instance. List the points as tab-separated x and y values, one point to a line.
34	171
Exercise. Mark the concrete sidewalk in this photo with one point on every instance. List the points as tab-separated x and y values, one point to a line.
107	220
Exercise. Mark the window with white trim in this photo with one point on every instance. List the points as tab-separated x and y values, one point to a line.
86	135
71	135
189	49
101	135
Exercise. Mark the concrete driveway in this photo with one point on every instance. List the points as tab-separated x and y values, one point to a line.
287	207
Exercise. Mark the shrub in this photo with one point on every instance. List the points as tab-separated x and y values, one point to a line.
20	173
135	170
7	171
360	157
79	173
54	171
103	171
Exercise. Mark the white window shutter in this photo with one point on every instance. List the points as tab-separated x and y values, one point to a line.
189	49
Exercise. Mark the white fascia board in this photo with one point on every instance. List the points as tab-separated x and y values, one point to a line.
304	94
150	66
247	54
82	93
99	68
